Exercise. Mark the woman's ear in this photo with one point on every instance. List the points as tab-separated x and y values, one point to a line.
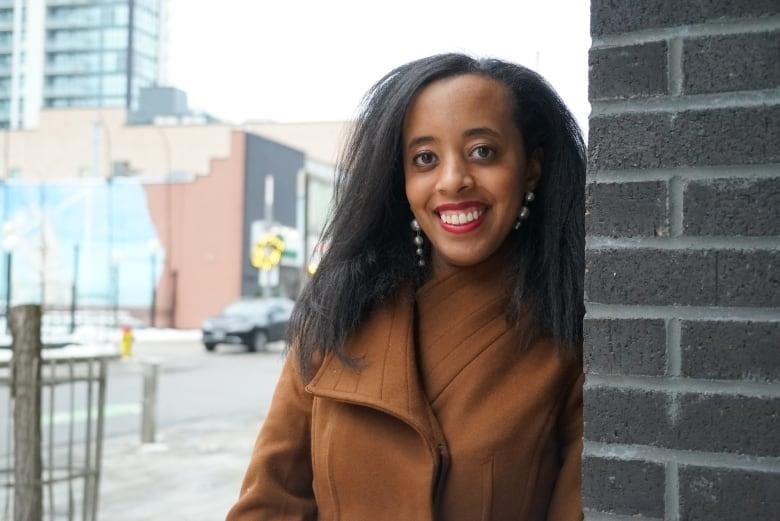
534	172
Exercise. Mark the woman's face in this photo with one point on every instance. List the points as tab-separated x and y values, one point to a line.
465	168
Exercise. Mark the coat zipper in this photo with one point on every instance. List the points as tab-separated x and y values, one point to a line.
440	477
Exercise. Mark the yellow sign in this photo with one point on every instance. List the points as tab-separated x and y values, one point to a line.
267	252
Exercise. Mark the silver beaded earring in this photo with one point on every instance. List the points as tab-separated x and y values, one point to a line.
418	243
524	210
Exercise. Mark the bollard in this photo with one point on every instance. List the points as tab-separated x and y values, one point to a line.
149	404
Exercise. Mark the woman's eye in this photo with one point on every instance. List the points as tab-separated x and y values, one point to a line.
482	152
424	159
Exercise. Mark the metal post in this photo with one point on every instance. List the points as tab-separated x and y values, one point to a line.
74	288
26	393
149	404
9	257
269	219
115	284
153	307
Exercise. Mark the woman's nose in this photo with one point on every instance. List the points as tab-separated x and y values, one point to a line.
453	177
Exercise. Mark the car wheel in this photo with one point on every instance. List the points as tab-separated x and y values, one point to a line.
259	342
210	346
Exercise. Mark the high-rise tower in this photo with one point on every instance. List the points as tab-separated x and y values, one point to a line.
77	53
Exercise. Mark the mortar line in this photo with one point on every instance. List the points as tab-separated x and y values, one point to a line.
682	243
769	171
752	25
675	66
673	348
719	460
597	310
721	100
591	515
676	202
677	385
672	492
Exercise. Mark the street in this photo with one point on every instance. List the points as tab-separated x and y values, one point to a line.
210	406
193	385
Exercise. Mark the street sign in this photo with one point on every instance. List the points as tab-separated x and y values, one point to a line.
267	252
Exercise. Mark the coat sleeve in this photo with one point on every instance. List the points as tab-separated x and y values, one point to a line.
566	502
278	482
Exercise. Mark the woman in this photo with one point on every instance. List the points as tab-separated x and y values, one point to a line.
435	369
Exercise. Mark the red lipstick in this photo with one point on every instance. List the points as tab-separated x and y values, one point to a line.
456	207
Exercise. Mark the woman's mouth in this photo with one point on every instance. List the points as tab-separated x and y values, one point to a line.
461	220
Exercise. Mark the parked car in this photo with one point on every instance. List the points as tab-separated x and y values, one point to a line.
251	322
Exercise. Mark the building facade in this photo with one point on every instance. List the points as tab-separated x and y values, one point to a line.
682	282
83	53
152	219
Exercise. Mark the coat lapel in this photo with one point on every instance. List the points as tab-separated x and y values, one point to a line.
387	377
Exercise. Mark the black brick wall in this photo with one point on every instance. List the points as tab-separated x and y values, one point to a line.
627	209
682	282
623	16
731	350
667	277
732	62
744	207
633	347
735	136
634	487
628	72
727	495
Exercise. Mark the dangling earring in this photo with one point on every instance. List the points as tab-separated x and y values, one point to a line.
418	243
524	210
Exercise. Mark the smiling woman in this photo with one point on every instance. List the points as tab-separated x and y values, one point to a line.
434	369
465	168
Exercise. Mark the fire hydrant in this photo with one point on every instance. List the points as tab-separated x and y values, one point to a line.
126	347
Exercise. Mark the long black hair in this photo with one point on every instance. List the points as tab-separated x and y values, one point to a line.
369	250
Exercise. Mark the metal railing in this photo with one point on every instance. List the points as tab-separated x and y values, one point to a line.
68	443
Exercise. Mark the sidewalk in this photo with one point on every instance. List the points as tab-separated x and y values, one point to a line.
192	474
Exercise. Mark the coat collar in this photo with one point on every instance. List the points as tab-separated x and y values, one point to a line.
387	376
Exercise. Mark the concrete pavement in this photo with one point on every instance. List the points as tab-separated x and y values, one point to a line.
192	474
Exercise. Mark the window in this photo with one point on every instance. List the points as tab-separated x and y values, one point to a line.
114	85
145	43
116	38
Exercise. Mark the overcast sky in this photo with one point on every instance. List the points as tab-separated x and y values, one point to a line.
298	60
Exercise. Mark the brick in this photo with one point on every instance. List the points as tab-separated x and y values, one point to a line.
629	416
746	207
727	494
731	63
650	277
730	350
630	347
727	136
633	71
732	136
627	209
621	16
629	141
626	487
748	278
727	423
689	421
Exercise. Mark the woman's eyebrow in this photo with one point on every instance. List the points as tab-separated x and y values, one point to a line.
420	140
477	131
482	131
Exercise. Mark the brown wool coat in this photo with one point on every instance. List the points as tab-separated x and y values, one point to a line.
465	426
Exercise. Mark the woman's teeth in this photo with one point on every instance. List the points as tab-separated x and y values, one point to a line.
457	218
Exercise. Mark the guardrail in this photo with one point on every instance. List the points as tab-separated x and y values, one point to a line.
52	447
